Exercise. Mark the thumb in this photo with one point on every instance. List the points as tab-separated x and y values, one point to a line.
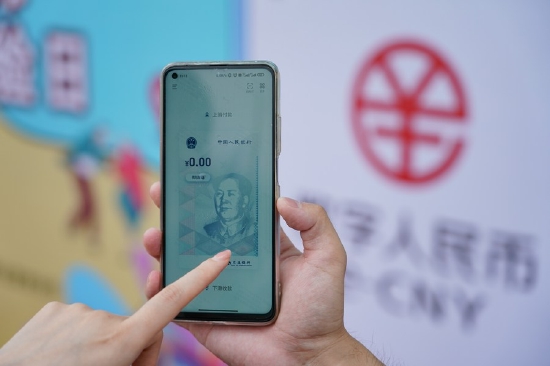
320	240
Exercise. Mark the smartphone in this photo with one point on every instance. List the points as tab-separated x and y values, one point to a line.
220	147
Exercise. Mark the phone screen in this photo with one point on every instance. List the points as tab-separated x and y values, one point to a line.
219	185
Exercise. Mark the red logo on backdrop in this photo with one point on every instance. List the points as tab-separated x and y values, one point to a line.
408	113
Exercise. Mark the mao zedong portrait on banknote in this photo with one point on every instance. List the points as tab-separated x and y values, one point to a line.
232	199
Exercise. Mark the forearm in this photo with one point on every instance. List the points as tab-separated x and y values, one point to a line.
347	351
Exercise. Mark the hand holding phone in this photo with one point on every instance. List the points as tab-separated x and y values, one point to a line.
310	325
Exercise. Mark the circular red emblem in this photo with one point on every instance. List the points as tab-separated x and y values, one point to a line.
408	113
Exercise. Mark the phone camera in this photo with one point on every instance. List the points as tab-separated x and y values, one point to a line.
174	75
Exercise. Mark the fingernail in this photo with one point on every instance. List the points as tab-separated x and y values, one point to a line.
222	256
293	203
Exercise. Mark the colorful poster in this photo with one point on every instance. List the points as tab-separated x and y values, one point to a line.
79	147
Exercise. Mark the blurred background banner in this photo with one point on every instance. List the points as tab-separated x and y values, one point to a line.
422	127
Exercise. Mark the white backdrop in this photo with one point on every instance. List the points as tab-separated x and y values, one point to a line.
443	269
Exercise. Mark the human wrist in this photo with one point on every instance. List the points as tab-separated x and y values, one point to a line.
12	359
346	350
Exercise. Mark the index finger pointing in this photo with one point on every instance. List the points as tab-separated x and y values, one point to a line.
160	310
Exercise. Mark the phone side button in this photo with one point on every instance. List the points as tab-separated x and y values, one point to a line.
279	148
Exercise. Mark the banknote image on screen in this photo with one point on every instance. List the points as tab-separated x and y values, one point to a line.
220	215
218	192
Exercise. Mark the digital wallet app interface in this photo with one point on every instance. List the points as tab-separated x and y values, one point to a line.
219	183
